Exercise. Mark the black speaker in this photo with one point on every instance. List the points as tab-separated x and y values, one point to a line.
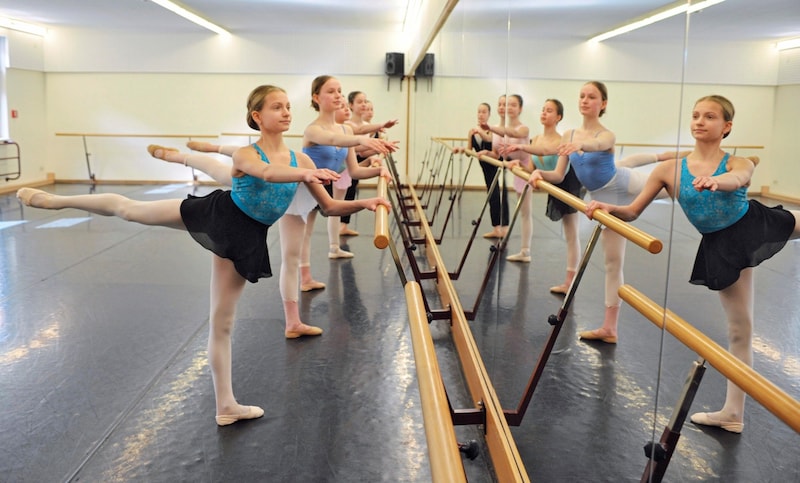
425	68
395	64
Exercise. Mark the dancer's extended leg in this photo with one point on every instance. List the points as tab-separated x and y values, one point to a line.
161	212
206	147
216	169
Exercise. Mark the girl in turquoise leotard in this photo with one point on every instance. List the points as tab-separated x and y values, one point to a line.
231	224
544	148
738	234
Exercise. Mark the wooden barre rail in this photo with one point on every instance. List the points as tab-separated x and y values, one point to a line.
641	145
625	145
256	133
111	135
381	239
757	386
507	463
637	236
443	452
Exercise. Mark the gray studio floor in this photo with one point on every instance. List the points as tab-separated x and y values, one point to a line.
104	376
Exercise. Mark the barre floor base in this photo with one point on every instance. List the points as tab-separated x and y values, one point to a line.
103	328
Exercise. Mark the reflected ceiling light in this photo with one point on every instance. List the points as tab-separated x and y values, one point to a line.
788	44
172	7
655	16
21	26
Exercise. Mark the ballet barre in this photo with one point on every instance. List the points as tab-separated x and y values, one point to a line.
745	377
251	135
757	386
556	321
381	238
637	236
677	147
112	135
437	410
12	175
488	411
443	448
622	146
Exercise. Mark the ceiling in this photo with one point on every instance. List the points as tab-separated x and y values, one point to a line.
569	19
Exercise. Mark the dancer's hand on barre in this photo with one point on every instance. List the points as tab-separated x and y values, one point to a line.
596	205
372	204
511	164
458	149
385	174
535	176
375	161
624	213
320	176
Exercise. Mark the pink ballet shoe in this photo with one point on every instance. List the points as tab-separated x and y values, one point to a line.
312	285
339	253
348	232
253	412
524	256
304	330
155	147
597	335
560	289
706	419
25	195
202	147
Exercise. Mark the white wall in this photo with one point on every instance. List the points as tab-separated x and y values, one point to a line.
26	94
105	82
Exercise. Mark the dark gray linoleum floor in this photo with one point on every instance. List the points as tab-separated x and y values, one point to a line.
104	376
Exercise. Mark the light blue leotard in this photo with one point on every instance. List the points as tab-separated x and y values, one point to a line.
711	211
330	157
545	163
261	200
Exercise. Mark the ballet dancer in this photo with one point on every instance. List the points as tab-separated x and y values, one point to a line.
737	234
232	224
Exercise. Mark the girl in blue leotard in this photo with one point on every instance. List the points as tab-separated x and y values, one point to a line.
231	224
589	151
737	233
331	144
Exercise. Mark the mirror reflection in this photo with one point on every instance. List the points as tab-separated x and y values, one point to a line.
527	87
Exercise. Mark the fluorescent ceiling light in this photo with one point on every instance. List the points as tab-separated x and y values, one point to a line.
788	44
190	16
655	16
30	28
